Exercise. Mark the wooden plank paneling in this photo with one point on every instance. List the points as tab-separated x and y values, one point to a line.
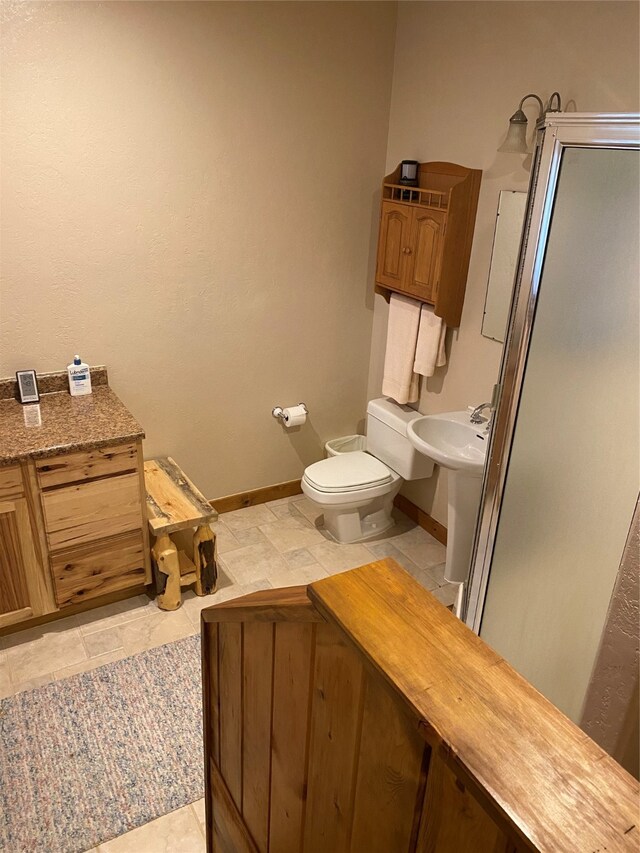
98	568
94	510
452	820
230	668
293	661
544	783
256	729
10	482
334	743
213	698
210	719
390	783
86	464
391	728
230	832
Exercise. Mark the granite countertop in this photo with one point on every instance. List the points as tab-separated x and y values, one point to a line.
67	424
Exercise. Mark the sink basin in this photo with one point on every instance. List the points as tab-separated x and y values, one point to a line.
451	440
455	443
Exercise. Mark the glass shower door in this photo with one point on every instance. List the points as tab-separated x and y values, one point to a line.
573	469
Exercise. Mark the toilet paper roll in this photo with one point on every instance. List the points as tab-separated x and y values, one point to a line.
294	416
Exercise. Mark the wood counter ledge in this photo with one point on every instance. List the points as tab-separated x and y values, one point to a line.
502	769
68	424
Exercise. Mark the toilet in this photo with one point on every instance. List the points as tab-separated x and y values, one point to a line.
355	491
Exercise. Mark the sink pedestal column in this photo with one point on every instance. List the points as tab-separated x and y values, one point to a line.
464	500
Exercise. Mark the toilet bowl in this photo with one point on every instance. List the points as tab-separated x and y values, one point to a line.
355	491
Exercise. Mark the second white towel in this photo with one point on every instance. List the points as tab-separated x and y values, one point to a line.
415	346
430	349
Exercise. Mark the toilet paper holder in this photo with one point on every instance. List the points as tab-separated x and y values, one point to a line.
278	412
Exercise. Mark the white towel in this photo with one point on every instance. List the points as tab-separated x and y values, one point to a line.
430	352
399	380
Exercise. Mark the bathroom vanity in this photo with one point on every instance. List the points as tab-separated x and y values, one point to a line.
73	527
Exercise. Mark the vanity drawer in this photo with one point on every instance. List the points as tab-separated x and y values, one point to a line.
75	515
91	571
11	482
86	465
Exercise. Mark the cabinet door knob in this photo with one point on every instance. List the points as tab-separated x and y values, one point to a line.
407	250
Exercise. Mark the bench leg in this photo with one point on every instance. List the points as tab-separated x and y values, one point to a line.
204	557
167	573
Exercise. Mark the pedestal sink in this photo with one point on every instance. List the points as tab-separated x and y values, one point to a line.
456	444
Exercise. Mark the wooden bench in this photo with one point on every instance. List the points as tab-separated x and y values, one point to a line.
175	505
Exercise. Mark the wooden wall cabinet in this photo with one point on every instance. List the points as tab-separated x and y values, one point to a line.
425	236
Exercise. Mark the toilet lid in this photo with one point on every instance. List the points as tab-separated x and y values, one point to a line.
347	472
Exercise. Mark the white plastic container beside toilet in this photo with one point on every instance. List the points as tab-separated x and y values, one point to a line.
345	444
354	488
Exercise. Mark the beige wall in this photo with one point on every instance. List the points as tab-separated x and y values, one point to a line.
460	71
189	195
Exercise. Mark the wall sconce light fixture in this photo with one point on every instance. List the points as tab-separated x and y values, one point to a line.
516	139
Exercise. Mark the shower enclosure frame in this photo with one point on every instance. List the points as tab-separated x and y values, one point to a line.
554	133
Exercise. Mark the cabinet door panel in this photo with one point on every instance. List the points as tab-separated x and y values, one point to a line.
427	232
10	482
395	224
75	515
22	587
14	594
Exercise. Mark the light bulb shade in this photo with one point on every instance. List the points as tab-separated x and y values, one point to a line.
516	139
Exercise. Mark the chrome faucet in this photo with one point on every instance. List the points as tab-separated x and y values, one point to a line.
476	416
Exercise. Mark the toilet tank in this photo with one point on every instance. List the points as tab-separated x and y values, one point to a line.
387	439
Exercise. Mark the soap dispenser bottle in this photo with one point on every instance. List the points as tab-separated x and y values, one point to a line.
79	377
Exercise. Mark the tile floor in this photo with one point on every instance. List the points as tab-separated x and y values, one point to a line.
274	544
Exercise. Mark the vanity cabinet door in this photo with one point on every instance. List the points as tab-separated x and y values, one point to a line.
394	249
21	593
427	243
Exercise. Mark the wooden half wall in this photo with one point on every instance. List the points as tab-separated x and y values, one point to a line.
358	715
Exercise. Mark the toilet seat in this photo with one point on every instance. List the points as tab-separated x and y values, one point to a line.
348	472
